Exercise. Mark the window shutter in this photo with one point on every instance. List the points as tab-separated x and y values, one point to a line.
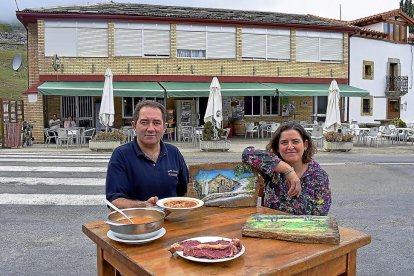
331	49
254	46
278	47
61	41
191	40
307	48
128	42
92	42
221	45
156	43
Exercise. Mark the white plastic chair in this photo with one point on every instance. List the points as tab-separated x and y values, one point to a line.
88	134
186	133
225	134
49	135
272	129
372	136
251	129
63	136
317	135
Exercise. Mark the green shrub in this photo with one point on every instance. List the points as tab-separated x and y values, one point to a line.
333	136
208	132
110	136
398	122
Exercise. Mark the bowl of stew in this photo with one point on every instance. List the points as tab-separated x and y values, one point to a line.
147	223
180	203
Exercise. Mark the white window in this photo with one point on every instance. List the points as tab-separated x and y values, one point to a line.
142	40
76	39
319	47
198	41
261	105
265	44
129	103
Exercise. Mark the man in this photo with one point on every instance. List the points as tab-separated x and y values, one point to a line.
54	123
146	168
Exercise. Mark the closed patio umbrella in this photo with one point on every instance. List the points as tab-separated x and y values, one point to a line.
333	115
214	111
107	111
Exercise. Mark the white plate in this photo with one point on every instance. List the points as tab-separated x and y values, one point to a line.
111	235
203	260
161	202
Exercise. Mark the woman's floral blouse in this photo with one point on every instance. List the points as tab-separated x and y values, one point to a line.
315	197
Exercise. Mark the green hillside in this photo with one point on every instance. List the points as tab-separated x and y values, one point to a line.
12	83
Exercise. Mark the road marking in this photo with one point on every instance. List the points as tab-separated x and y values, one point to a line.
51	199
43	155
85	181
55	160
51	169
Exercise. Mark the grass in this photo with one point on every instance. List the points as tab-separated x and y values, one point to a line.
12	83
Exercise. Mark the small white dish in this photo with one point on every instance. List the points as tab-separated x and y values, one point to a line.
205	260
196	203
111	235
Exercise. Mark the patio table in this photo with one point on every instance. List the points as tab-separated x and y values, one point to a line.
262	256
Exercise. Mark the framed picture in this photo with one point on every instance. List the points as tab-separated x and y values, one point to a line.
225	184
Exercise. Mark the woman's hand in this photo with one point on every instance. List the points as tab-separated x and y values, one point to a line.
293	183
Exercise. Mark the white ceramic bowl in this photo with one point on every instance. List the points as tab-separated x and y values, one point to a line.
194	203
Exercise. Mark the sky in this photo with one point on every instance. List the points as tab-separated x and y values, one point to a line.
336	9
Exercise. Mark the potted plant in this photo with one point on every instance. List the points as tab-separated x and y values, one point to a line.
209	142
107	140
337	141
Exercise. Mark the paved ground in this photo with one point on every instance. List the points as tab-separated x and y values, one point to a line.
372	191
237	146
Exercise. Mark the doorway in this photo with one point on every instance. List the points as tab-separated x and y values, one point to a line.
393	110
202	106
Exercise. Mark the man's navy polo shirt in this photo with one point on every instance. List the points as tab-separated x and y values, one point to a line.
132	175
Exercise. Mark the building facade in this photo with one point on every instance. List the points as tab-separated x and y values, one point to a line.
381	61
271	66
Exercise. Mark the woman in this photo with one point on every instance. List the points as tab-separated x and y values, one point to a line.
69	123
294	182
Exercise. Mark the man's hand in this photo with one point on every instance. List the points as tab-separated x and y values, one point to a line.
152	200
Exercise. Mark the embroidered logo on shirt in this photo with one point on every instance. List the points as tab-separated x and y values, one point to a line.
172	173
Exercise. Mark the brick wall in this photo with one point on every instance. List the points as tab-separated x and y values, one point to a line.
39	64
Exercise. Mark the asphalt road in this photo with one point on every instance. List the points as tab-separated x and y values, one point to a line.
372	192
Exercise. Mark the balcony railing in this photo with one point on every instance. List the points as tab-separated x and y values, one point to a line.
396	86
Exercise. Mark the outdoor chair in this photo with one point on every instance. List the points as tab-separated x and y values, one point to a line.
317	135
225	134
88	134
271	129
372	136
251	129
186	133
63	136
198	134
49	135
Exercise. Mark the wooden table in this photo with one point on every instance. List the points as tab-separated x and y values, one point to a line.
262	256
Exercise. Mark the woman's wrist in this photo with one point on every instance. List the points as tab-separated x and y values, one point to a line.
289	171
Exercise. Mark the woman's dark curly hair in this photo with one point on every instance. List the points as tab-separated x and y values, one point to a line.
273	145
